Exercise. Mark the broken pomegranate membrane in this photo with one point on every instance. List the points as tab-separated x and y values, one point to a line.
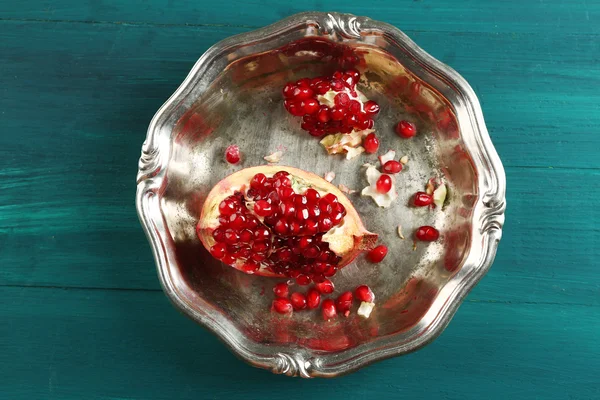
282	222
330	104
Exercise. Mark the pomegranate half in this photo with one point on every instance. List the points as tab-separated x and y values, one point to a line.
282	222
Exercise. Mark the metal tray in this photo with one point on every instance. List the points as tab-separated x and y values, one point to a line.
233	95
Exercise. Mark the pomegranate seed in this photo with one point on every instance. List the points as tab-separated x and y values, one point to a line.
288	90
325	224
378	254
328	309
281	289
313	298
371	143
250	266
282	227
294	107
323	114
282	306
422	199
231	237
218	250
232	154
257	181
263	208
322	87
406	129
364	293
350	120
354	74
342	100
312	195
325	287
228	259
371	108
302	93
330	271
246	236
384	183
228	206
298	301
337	113
344	302
219	235
427	233
337	85
304	82
392	167
310	106
303	280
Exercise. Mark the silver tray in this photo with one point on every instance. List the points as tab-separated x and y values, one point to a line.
233	95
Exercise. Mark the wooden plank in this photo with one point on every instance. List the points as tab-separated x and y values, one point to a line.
89	106
74	344
435	15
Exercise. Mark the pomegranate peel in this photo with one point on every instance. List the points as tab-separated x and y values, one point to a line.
336	245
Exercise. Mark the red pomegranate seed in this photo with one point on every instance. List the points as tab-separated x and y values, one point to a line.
371	143
328	309
364	293
422	199
337	113
342	100
250	266
325	287
344	302
281	289
427	233
323	115
303	280
322	87
282	306
232	154
258	181
302	93
304	82
228	259
218	250
298	301
406	129
246	236
310	106
392	167
263	208
313	298
378	253
371	108
288	90
384	183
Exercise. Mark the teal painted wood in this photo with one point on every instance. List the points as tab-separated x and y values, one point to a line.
422	15
131	345
87	84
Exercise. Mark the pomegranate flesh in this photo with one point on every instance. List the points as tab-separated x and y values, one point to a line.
282	222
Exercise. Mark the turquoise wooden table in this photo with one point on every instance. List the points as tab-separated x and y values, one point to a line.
83	316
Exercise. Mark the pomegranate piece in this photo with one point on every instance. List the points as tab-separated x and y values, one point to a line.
371	143
298	301
378	253
330	104
344	302
282	306
392	167
325	287
422	199
232	154
282	222
281	290
364	293
384	183
313	298
328	309
406	129
427	233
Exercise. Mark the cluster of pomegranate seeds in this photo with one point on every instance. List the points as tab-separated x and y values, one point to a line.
347	112
232	154
289	239
422	199
406	129
427	233
377	254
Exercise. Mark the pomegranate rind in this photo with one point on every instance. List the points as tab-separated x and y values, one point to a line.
347	240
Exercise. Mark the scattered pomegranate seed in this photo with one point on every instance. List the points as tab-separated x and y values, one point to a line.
364	293
378	253
313	298
422	199
371	143
427	233
329	310
343	302
298	301
384	184
325	287
282	306
281	289
406	129
232	154
392	167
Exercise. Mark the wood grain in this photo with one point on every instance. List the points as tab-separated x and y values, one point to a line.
83	313
73	344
